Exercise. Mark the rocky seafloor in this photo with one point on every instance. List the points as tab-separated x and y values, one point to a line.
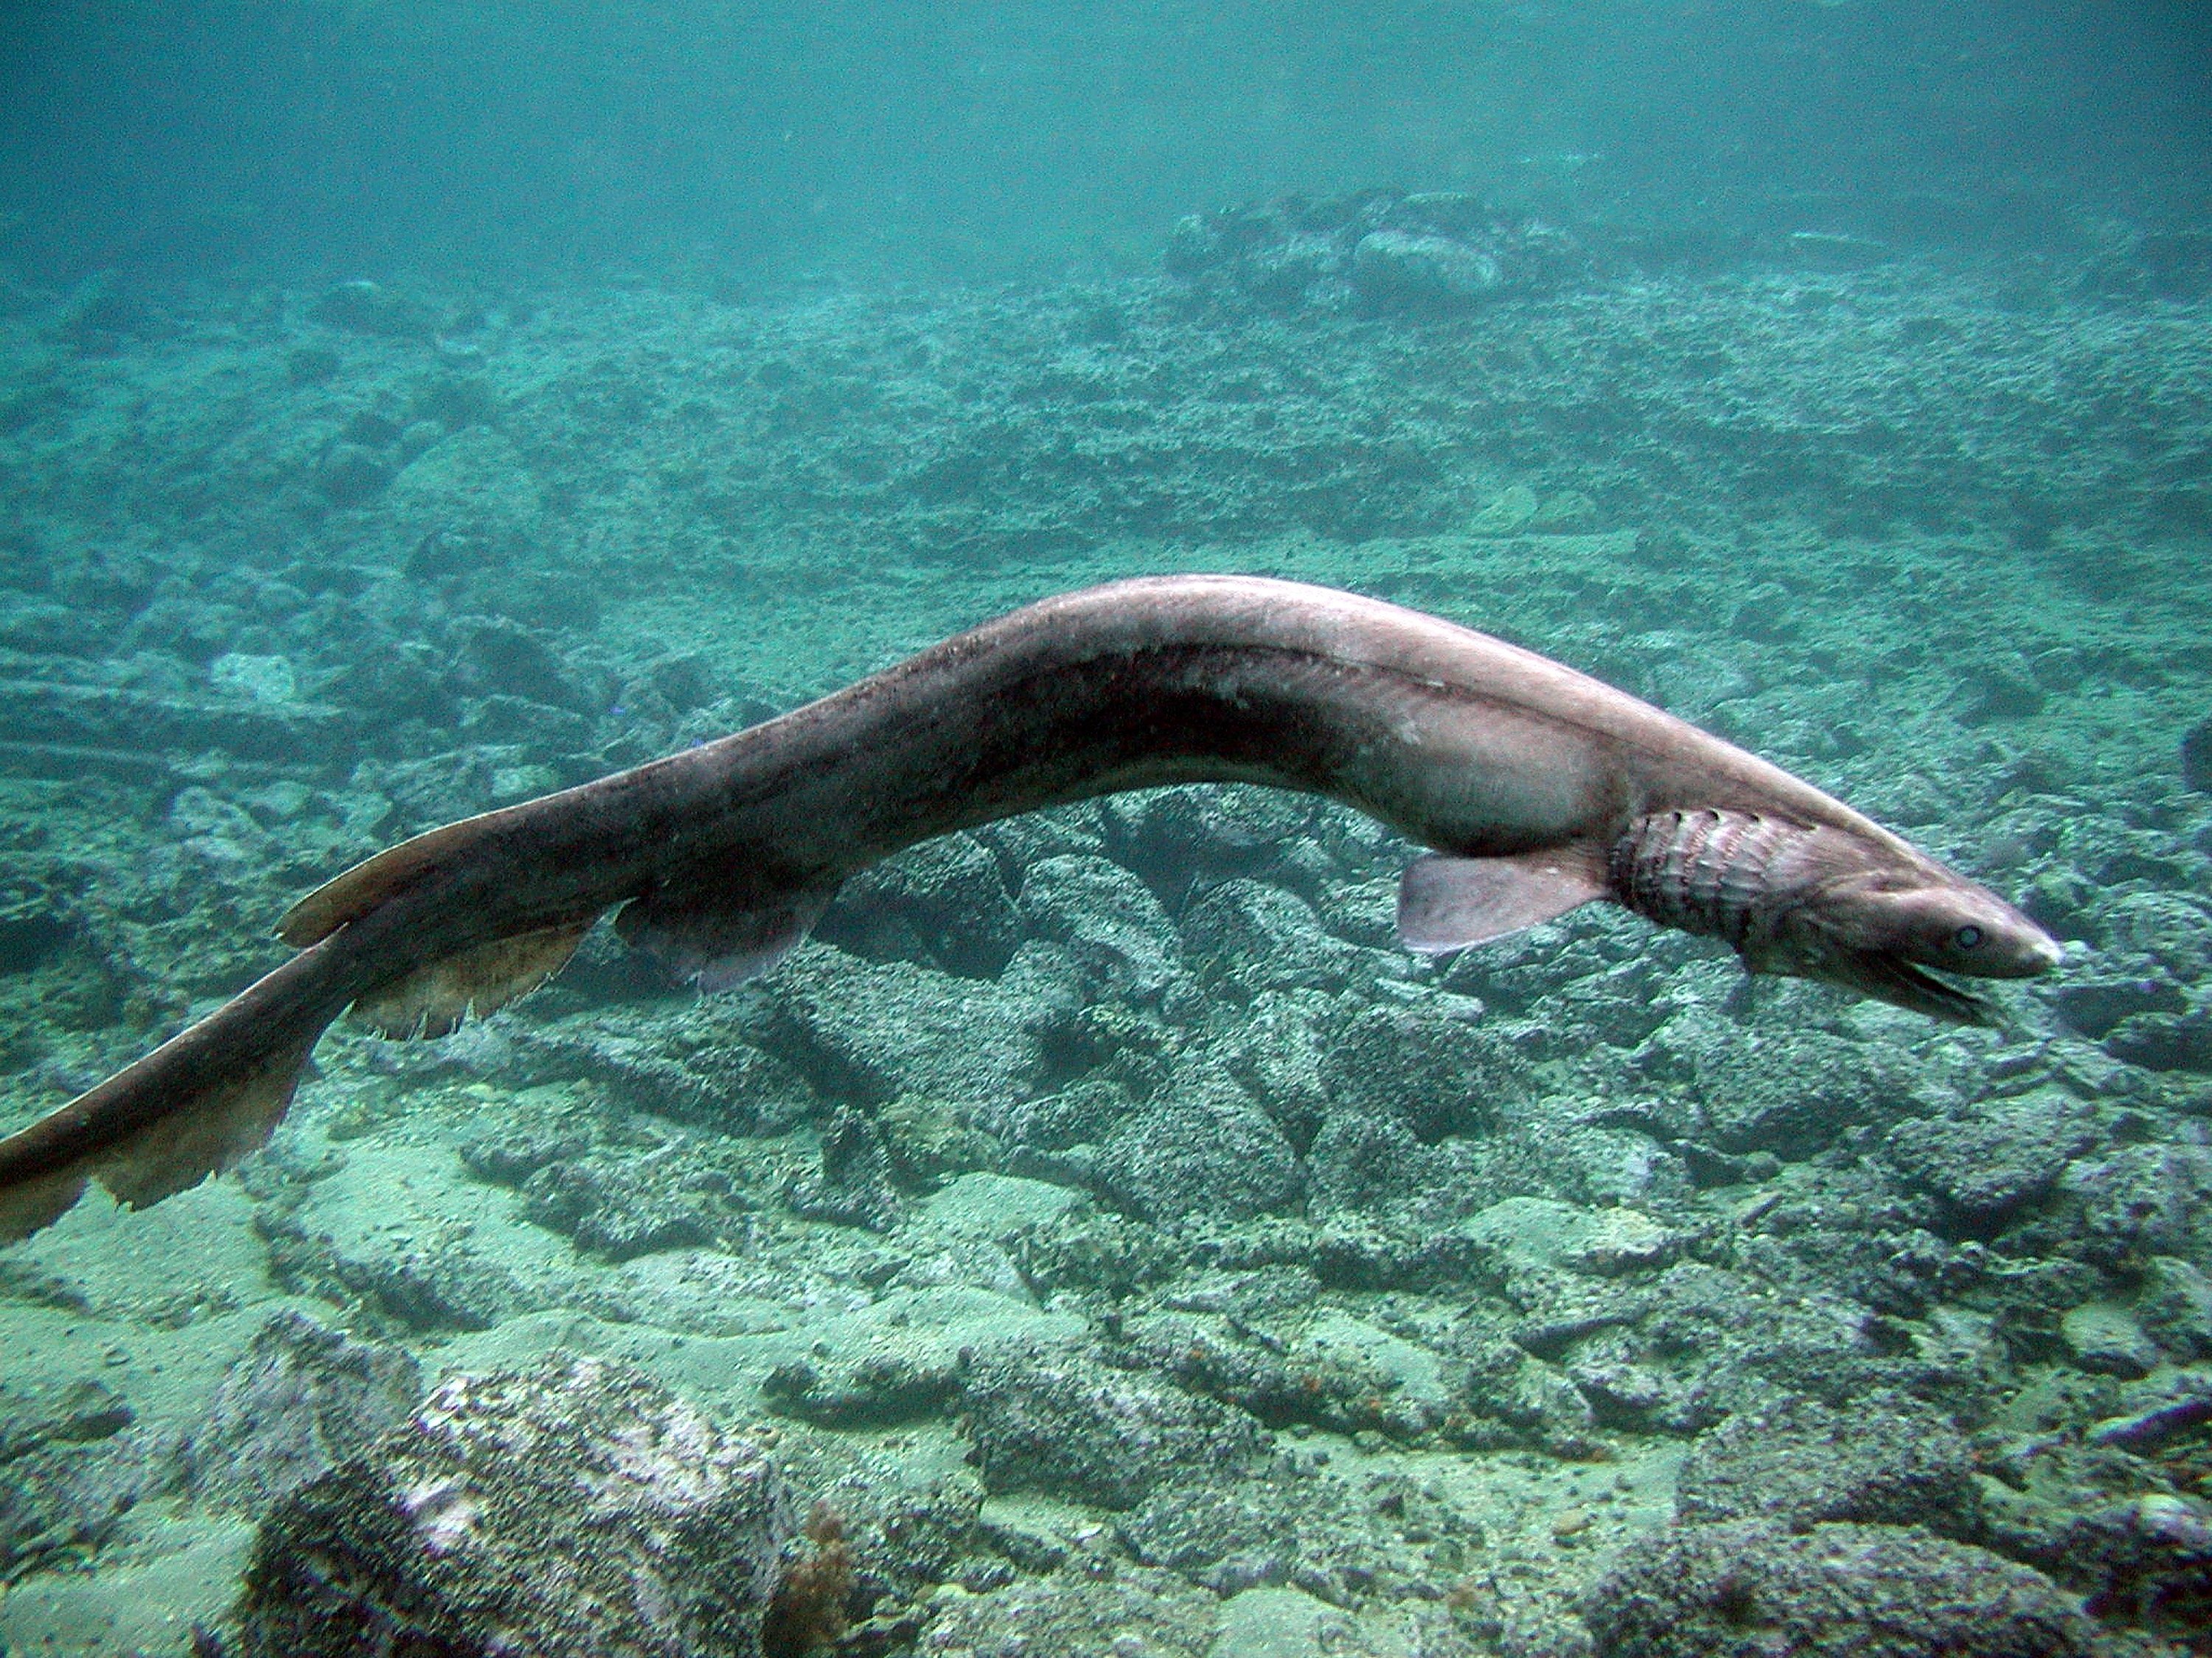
1100	1238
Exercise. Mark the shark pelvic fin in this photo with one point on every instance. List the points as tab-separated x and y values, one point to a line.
1447	903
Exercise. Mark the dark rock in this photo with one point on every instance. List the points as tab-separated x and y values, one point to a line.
577	1508
2092	1007
1888	1462
1064	1423
1432	1068
853	1183
73	1461
1836	1591
1109	921
2196	757
1986	1165
1199	1146
2164	1041
299	1401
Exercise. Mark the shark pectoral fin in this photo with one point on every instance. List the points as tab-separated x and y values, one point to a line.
703	937
1448	903
433	1000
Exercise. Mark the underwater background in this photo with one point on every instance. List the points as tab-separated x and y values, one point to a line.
1101	1238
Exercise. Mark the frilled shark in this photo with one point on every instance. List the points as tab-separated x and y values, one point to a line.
1535	788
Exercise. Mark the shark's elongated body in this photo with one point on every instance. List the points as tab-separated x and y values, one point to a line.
1540	787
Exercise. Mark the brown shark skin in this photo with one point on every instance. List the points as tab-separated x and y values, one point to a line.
1461	741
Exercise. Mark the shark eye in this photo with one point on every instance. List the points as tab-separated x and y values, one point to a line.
1967	937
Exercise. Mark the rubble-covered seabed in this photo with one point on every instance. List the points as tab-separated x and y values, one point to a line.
1101	1239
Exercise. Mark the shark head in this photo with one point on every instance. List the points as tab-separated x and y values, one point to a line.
1886	925
1865	912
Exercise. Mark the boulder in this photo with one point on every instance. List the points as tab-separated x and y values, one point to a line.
578	1508
1109	921
1893	1461
1065	1424
1987	1165
300	1400
1836	1591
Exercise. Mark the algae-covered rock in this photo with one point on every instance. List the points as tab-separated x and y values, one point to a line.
2175	1307
1068	1425
2164	1041
1100	1607
1890	1461
1289	1527
1789	1093
867	1032
1399	267
2196	757
1836	1591
74	1459
2147	1561
299	1401
2141	1200
1266	938
2104	1337
578	1508
1180	839
942	903
1201	1146
1987	1164
1108	921
1431	1067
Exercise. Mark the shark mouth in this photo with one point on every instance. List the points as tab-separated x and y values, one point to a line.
1892	980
